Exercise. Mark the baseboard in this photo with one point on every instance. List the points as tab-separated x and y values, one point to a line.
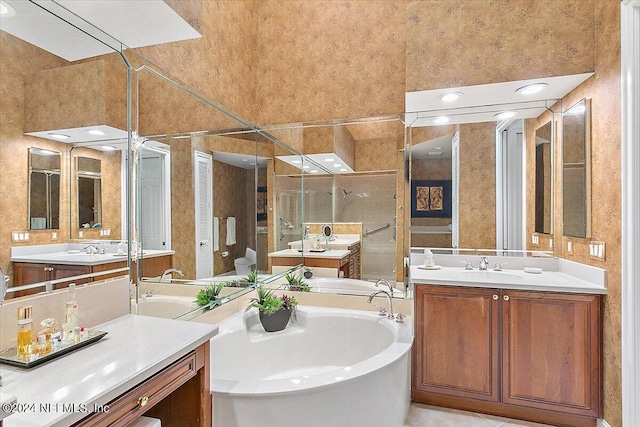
602	423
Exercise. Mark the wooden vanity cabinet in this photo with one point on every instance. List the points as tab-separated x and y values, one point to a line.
354	261
527	355
27	272
179	395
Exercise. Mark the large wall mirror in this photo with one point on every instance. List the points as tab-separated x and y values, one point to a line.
544	179
44	189
576	170
89	182
486	159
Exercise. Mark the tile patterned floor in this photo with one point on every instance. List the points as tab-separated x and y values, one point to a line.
431	416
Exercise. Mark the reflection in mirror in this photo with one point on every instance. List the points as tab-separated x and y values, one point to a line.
576	170
89	175
44	189
543	177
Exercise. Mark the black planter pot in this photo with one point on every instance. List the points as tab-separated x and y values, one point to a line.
275	322
308	274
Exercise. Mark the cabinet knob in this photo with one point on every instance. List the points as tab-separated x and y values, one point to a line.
506	297
495	297
143	401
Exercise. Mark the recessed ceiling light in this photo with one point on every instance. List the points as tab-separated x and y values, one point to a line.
577	109
108	148
343	170
337	165
245	160
59	136
451	96
305	167
295	161
434	153
314	171
42	151
441	120
438	148
531	89
6	10
505	115
330	159
96	132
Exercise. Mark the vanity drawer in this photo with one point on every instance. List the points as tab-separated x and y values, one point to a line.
138	400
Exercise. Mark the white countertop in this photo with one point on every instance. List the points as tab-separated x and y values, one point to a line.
6	402
82	258
135	348
295	253
550	281
341	241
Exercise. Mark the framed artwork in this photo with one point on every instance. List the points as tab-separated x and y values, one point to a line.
430	199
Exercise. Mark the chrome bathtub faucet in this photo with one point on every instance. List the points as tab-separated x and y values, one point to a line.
171	270
382	291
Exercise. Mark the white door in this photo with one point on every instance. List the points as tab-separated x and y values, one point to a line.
203	181
153	220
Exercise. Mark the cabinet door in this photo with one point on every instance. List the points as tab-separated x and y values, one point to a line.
456	346
551	350
25	273
60	271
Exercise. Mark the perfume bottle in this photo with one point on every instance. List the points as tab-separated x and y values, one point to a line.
25	333
45	337
71	317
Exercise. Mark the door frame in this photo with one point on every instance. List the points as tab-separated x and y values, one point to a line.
165	155
630	159
201	156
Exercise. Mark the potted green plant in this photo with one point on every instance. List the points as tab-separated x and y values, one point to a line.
308	273
250	280
208	297
297	283
274	312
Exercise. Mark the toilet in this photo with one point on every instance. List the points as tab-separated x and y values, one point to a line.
247	264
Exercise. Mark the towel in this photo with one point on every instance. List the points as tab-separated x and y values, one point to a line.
231	230
38	223
216	234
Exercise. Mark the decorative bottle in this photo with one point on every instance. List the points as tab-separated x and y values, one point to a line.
25	332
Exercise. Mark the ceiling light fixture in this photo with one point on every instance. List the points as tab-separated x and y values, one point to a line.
314	171
505	115
451	96
305	167
531	89
295	161
96	132
434	153
343	170
6	10
441	120
108	148
245	160
330	159
59	136
337	165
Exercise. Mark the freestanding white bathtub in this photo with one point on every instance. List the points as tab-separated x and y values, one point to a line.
166	306
331	368
347	286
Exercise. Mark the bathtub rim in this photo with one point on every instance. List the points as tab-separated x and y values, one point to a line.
394	353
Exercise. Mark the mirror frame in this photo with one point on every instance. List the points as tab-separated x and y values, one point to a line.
90	175
41	151
586	122
552	135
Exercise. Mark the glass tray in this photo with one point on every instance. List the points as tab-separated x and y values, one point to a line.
10	356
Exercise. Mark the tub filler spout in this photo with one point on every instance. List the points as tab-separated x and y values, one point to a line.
382	291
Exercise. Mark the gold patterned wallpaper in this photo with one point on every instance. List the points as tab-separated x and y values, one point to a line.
327	59
453	43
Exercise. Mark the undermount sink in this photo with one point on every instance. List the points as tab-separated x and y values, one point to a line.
489	276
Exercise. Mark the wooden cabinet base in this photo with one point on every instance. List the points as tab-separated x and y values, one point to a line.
503	410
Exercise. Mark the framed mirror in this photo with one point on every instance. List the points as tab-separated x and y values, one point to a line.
544	179
89	176
44	189
576	170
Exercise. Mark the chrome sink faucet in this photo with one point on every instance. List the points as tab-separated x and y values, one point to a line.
91	249
484	263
